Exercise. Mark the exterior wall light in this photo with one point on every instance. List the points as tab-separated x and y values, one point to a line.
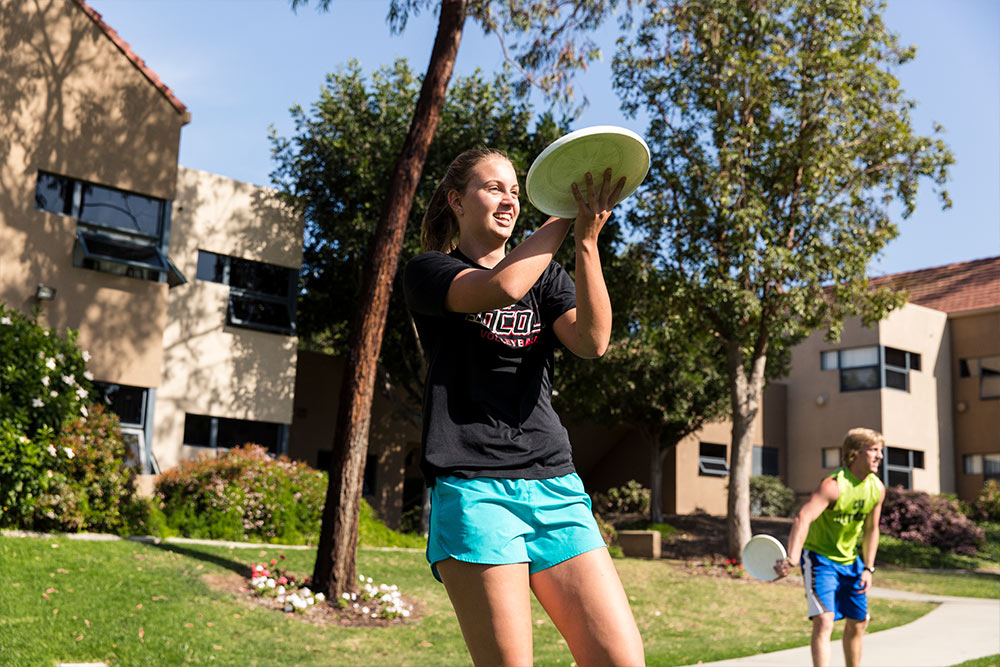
45	292
821	400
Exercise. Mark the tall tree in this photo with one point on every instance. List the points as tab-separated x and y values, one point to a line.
662	371
780	138
335	571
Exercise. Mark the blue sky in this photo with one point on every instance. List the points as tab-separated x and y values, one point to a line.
240	65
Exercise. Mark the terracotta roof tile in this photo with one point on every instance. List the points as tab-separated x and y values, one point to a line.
140	64
951	288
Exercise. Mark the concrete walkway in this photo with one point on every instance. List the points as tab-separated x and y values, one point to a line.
959	629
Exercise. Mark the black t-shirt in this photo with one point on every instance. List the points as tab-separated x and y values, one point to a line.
487	399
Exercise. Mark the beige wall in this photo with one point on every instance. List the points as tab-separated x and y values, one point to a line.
818	413
977	421
73	104
391	436
210	368
920	419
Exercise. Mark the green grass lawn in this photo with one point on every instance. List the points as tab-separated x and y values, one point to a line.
131	603
963	584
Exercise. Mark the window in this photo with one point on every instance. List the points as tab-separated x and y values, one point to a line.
712	460
831	457
987	465
131	406
261	295
897	466
129	403
987	369
765	461
871	367
222	432
118	232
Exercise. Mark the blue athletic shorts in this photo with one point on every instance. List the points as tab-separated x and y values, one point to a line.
834	587
491	521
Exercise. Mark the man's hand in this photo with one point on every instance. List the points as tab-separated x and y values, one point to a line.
866	581
783	568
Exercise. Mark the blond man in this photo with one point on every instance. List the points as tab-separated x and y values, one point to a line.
824	540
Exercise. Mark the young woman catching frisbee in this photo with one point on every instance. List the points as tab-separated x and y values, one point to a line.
509	515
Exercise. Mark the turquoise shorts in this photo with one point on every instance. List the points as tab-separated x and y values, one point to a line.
491	521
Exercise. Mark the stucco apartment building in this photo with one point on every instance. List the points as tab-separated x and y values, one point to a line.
181	283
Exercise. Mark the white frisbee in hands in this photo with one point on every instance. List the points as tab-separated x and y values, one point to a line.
568	159
760	555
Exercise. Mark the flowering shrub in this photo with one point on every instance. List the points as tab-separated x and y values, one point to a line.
934	521
717	565
770	497
382	601
628	498
44	379
244	495
78	479
986	506
268	580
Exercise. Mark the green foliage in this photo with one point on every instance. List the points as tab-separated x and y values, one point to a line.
628	498
780	137
79	479
43	377
373	533
334	168
986	506
770	497
243	495
246	495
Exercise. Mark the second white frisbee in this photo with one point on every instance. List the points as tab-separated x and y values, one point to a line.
760	555
567	160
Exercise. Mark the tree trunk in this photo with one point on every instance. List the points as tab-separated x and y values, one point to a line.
745	394
656	453
334	571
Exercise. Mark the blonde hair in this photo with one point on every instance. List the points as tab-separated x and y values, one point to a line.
439	229
856	440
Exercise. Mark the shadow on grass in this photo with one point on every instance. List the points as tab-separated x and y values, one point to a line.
241	569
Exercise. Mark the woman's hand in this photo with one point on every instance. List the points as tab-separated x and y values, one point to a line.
594	207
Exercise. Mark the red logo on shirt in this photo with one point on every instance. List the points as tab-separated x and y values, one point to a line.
513	326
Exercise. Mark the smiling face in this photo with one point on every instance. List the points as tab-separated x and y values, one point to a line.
488	207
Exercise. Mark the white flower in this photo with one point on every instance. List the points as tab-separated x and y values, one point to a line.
306	591
45	381
280	590
356	605
69	452
320	597
68	379
86	355
311	600
365	610
361	578
52	450
60	357
406	613
346	596
281	599
369	580
50	363
88	375
54	394
4	320
41	355
37	402
84	411
81	393
374	615
271	583
48	473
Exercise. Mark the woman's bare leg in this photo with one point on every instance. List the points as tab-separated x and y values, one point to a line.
494	610
586	601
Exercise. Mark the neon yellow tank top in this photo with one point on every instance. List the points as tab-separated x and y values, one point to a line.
835	532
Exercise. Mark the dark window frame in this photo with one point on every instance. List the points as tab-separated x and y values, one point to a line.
217	424
72	202
882	371
710	463
218	268
914	461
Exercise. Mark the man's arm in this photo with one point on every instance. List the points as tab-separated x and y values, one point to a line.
822	497
869	542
